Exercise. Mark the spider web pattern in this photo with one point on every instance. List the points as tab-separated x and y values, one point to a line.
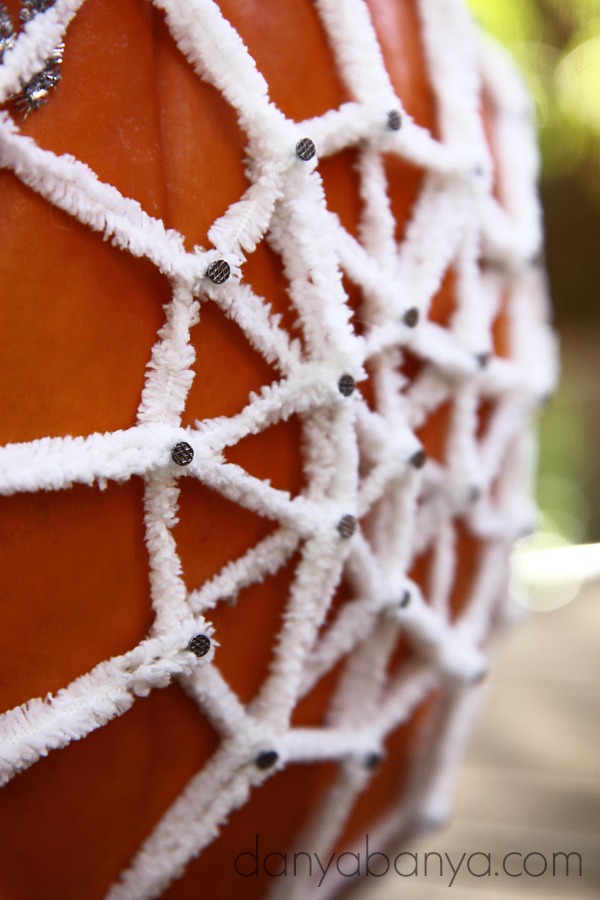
456	221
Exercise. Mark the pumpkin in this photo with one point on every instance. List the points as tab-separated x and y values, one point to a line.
83	580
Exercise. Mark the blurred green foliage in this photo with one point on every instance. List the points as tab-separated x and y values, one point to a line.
563	468
556	43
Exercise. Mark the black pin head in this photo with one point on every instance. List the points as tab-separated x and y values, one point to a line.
404	600
418	459
394	120
305	149
218	271
346	385
372	761
199	645
411	317
266	759
182	454
347	526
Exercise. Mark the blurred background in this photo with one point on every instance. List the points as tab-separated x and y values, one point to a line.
556	43
531	778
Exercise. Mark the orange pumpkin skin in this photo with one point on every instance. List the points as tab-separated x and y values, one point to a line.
79	319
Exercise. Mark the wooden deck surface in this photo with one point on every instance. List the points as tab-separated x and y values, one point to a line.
531	778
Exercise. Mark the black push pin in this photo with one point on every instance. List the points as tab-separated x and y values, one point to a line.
537	261
347	526
266	759
305	149
372	761
418	459
346	385
525	531
411	317
182	454
394	120
404	600
478	676
474	494
199	645
493	264
218	271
